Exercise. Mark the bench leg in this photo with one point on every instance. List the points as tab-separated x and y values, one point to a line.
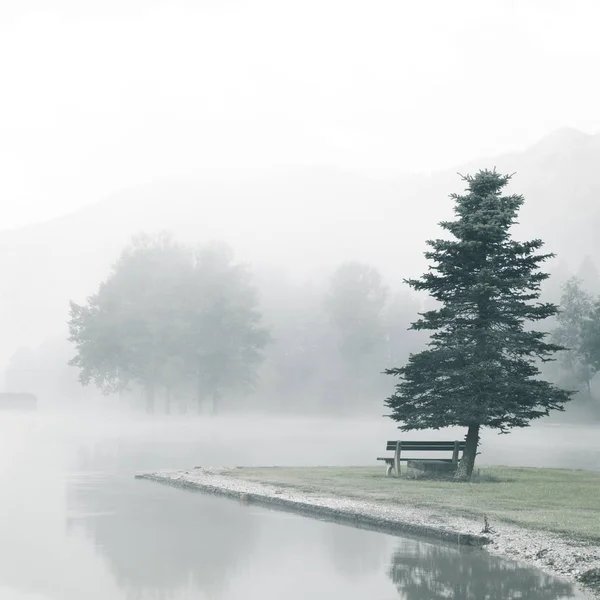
397	458
388	470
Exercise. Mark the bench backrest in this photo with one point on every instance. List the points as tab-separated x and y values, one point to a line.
426	446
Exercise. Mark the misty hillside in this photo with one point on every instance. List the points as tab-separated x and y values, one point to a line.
305	222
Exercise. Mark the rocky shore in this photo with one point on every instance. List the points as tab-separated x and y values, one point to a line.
574	560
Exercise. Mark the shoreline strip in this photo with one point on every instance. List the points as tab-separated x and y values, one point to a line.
340	515
559	556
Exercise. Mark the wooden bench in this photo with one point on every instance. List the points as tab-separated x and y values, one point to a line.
398	446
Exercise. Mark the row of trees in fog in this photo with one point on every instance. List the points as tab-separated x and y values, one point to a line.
189	321
171	317
190	325
197	327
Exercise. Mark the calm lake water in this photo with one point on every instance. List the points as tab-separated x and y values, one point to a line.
75	524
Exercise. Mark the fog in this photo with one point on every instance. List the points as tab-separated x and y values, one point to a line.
293	232
297	156
105	98
304	137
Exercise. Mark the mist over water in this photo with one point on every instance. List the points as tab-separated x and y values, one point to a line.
75	523
213	207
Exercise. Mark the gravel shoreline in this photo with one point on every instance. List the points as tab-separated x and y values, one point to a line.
552	553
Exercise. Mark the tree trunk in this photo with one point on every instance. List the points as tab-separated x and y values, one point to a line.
150	398
467	462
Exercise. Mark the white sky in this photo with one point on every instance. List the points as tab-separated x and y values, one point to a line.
97	96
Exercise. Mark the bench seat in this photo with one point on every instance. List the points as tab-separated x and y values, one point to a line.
399	446
391	459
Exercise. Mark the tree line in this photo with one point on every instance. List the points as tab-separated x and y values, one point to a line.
190	326
173	317
170	317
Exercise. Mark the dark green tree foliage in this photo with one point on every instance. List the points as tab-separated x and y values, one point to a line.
479	369
170	317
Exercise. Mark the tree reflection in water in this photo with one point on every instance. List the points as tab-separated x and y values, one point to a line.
424	571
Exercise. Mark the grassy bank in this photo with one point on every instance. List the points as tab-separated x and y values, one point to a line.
556	500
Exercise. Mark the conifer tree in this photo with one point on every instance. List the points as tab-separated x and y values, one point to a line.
479	368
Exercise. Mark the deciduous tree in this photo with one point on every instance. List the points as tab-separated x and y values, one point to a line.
224	338
172	317
574	331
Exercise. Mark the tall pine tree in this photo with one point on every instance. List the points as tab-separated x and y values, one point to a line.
479	369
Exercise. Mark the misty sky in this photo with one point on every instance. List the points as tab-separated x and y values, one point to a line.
98	96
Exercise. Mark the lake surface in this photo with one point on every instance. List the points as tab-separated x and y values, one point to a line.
76	525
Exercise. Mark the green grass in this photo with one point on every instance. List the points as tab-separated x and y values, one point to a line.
558	500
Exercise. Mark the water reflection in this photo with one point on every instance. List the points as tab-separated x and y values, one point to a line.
161	541
133	539
165	543
427	572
